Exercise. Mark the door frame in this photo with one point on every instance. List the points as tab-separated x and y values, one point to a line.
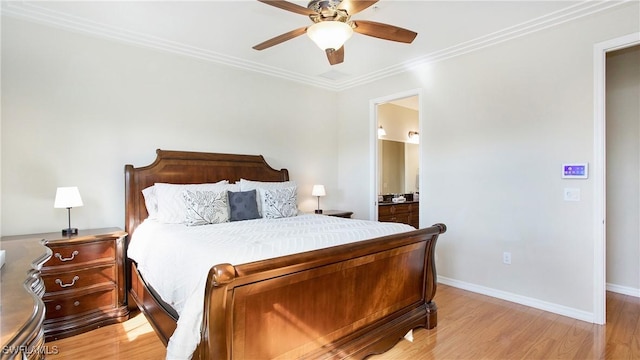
599	173
373	146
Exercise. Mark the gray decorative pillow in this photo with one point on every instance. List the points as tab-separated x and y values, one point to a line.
246	185
243	205
279	203
205	207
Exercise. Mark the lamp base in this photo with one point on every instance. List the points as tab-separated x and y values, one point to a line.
318	211
70	231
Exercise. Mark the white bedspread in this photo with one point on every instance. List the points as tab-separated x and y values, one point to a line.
175	259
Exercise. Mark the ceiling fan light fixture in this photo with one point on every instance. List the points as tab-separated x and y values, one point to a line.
330	34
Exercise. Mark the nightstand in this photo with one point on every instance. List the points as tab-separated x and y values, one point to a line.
338	213
84	281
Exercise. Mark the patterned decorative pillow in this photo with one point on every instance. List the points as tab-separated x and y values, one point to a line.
171	208
243	205
205	207
246	185
279	203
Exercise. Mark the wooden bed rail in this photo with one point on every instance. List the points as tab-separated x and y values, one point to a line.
392	281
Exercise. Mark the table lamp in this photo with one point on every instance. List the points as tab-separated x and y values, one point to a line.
68	197
318	190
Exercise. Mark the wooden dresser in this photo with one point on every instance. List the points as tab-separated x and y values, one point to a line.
406	212
22	311
85	282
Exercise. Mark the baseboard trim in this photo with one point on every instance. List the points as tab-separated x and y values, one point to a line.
625	290
519	299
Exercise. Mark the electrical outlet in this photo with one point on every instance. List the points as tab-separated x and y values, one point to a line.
506	258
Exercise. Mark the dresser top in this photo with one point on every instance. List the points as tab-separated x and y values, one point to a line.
385	203
22	310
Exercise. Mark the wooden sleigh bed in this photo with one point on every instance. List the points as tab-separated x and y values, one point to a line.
346	301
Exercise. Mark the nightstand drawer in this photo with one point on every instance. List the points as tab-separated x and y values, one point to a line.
59	306
73	280
80	253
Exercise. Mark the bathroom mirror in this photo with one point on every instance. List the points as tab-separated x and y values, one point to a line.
398	167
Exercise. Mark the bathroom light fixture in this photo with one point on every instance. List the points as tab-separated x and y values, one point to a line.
318	190
414	135
68	197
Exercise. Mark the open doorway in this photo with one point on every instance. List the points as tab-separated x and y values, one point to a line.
600	168
623	170
395	158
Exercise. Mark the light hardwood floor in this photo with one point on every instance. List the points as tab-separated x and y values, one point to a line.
470	326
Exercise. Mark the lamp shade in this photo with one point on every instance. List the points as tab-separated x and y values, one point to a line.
318	190
67	197
329	34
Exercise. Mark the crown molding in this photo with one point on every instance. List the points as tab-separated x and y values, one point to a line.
39	14
558	17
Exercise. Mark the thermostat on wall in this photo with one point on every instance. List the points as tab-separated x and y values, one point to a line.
575	171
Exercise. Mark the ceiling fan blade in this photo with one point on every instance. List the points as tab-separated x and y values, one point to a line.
335	56
281	38
384	31
285	5
355	6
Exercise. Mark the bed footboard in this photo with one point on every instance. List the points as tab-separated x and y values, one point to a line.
349	301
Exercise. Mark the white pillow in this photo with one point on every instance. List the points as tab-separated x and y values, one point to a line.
151	201
246	185
205	207
279	203
171	206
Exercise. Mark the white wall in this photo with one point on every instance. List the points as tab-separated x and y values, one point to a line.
623	169
76	109
499	122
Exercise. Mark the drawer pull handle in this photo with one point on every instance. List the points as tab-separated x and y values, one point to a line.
73	255
76	303
73	282
58	307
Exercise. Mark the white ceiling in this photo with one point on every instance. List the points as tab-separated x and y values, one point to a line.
224	31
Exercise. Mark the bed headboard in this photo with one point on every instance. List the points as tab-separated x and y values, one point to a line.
186	167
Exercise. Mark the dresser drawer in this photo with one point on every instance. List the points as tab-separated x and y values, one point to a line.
407	213
395	209
59	306
399	218
81	253
73	280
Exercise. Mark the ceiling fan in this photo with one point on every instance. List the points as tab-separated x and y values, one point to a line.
332	26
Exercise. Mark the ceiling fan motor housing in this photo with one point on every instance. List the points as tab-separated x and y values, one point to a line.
327	10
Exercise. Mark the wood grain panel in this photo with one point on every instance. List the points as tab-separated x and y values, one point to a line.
323	305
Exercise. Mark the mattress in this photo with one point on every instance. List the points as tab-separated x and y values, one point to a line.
175	259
